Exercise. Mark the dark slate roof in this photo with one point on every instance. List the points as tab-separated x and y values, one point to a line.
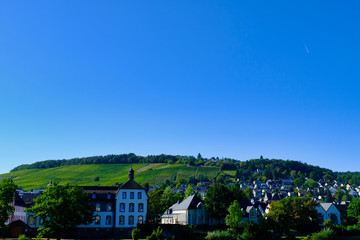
100	189
191	202
131	184
19	201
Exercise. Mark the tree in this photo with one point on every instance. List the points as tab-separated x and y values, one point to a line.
353	211
298	182
62	208
7	190
188	192
235	217
293	213
167	199
217	200
237	194
328	197
155	204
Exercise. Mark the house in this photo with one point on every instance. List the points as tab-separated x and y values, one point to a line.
19	213
123	207
116	209
190	211
328	211
253	212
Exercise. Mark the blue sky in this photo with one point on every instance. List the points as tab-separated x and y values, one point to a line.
221	78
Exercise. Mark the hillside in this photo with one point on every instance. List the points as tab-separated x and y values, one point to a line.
109	174
112	170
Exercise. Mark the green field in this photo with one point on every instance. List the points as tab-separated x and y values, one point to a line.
109	174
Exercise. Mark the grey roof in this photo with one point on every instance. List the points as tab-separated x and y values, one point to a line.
325	206
191	202
248	208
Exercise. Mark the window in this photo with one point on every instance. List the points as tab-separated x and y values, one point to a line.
41	221
108	207
93	196
253	212
139	195
98	207
31	220
108	220
131	207
124	195
108	196
140	219
122	207
131	195
131	220
122	220
97	219
141	207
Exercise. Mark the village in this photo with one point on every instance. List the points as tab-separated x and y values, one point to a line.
118	210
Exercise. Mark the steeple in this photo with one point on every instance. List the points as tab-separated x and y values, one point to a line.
131	174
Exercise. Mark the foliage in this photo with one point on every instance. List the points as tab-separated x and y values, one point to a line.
221	235
353	211
156	235
217	200
167	199
188	192
324	234
62	208
293	213
155	203
23	237
253	231
7	190
135	233
235	217
237	194
108	159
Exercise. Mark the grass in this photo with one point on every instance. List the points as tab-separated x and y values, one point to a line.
109	174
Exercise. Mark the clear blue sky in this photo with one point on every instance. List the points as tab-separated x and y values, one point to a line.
220	78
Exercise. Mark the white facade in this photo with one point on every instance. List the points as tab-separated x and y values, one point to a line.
131	207
328	211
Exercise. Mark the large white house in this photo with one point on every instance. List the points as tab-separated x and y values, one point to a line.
116	209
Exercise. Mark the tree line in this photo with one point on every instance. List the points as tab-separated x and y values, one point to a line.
254	169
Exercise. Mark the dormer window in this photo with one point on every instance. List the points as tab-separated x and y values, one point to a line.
108	196
93	196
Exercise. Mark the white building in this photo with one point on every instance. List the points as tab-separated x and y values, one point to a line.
116	209
328	211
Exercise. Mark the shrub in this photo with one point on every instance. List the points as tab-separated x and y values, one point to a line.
220	235
156	235
23	237
135	233
324	234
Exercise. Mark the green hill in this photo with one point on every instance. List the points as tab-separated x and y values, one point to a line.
109	174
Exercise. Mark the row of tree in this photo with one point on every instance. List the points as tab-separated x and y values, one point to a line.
254	169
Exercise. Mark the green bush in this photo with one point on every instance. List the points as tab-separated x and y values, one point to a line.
220	235
23	237
324	234
156	235
135	233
